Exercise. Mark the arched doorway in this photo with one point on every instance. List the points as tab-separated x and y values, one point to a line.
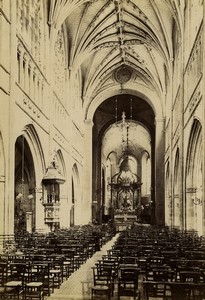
25	183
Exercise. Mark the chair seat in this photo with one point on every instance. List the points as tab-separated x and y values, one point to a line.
101	282
34	290
34	284
67	263
100	288
13	283
54	271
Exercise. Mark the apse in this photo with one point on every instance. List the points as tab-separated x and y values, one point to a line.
123	136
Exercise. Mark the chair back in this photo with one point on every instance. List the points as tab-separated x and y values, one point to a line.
129	274
178	291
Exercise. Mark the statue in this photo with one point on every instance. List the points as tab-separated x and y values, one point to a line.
125	201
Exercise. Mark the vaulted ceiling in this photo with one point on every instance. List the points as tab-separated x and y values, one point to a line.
112	42
123	46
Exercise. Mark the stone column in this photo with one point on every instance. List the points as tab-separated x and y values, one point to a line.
159	171
203	130
87	173
2	211
39	209
9	125
177	211
190	195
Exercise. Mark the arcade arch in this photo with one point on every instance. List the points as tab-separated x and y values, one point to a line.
177	207
103	118
28	176
194	208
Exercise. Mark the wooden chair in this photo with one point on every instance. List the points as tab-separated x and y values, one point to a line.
102	283
153	290
56	271
177	291
190	276
14	287
3	272
129	260
128	282
40	273
34	291
162	274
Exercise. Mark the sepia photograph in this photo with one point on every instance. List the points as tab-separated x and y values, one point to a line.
102	150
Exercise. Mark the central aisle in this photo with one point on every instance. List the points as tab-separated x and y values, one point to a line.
78	286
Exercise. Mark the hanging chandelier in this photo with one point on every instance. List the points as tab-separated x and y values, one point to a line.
123	126
125	178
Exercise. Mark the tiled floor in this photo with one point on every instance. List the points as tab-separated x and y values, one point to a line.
78	286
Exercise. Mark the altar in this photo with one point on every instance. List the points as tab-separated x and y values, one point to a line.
124	219
125	197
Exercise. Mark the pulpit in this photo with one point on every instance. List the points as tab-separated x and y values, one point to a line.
52	179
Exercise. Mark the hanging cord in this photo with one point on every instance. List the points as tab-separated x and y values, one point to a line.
131	108
127	140
116	110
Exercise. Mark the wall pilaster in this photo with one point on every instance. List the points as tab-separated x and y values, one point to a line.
87	173
159	170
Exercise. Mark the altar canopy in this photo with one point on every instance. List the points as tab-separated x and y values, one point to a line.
125	196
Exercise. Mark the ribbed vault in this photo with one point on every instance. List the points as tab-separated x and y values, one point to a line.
118	36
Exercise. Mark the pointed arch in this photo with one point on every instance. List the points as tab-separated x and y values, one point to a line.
29	170
61	162
177	202
194	178
75	211
195	141
168	206
32	138
176	172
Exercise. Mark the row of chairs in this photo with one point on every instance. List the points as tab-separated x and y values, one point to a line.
27	281
172	271
110	272
43	262
160	288
173	290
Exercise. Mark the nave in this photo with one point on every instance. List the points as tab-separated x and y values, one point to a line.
78	286
143	262
147	262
